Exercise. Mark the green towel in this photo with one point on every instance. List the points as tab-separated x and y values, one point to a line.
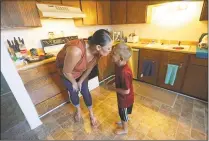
171	74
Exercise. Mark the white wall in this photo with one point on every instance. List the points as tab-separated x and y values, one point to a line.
32	36
181	26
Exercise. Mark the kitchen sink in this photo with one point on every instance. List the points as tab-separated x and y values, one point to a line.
169	47
177	47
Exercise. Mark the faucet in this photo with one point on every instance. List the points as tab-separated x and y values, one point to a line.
179	43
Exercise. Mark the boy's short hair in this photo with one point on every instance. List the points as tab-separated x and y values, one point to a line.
123	50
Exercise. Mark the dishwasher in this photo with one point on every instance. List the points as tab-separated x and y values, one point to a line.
134	62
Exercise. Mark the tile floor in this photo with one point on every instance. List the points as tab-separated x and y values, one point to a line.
150	120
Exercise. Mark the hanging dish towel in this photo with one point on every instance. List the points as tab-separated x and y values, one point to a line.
201	53
171	74
148	68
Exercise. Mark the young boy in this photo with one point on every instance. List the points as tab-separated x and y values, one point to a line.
123	83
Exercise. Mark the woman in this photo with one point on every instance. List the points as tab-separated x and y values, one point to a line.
76	60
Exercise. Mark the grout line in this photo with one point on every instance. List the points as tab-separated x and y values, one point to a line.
174	101
52	110
106	79
6	93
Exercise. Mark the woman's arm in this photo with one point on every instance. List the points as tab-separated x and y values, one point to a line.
73	55
88	71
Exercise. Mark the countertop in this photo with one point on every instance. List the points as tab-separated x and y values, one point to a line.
192	50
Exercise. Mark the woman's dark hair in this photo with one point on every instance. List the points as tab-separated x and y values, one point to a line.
100	37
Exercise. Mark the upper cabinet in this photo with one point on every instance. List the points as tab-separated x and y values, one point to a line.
204	13
71	3
50	1
90	9
136	11
118	11
103	12
19	14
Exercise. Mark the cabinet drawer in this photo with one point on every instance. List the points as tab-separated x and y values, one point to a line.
150	54
34	73
175	56
198	61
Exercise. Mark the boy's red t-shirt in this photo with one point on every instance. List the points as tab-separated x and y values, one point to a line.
123	80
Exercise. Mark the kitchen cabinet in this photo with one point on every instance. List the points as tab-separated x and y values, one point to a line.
153	2
196	78
71	3
90	9
204	13
136	11
151	55
22	14
118	11
106	67
50	1
103	12
173	58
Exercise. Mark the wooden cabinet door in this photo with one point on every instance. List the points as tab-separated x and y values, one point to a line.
29	13
204	13
118	11
71	3
10	17
136	11
106	67
22	14
50	1
153	56
174	58
196	82
103	12
89	8
179	76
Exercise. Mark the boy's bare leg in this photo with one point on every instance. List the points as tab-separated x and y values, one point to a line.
123	130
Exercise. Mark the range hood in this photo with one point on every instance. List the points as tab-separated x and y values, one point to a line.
59	11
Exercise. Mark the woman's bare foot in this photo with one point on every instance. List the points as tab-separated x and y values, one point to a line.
121	131
93	121
77	116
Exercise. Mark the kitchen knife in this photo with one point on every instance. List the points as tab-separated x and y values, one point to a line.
13	46
23	41
19	40
16	44
10	45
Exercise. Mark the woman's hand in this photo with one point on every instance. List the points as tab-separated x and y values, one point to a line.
80	84
75	87
111	87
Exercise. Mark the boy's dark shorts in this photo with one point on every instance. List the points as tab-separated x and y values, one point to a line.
123	112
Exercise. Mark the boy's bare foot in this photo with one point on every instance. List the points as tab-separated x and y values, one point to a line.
121	131
119	123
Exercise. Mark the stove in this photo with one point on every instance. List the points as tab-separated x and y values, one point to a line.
53	46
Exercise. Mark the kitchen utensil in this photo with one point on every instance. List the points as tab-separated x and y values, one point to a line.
9	43
23	41
34	52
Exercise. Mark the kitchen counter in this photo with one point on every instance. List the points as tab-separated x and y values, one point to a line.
192	50
35	64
